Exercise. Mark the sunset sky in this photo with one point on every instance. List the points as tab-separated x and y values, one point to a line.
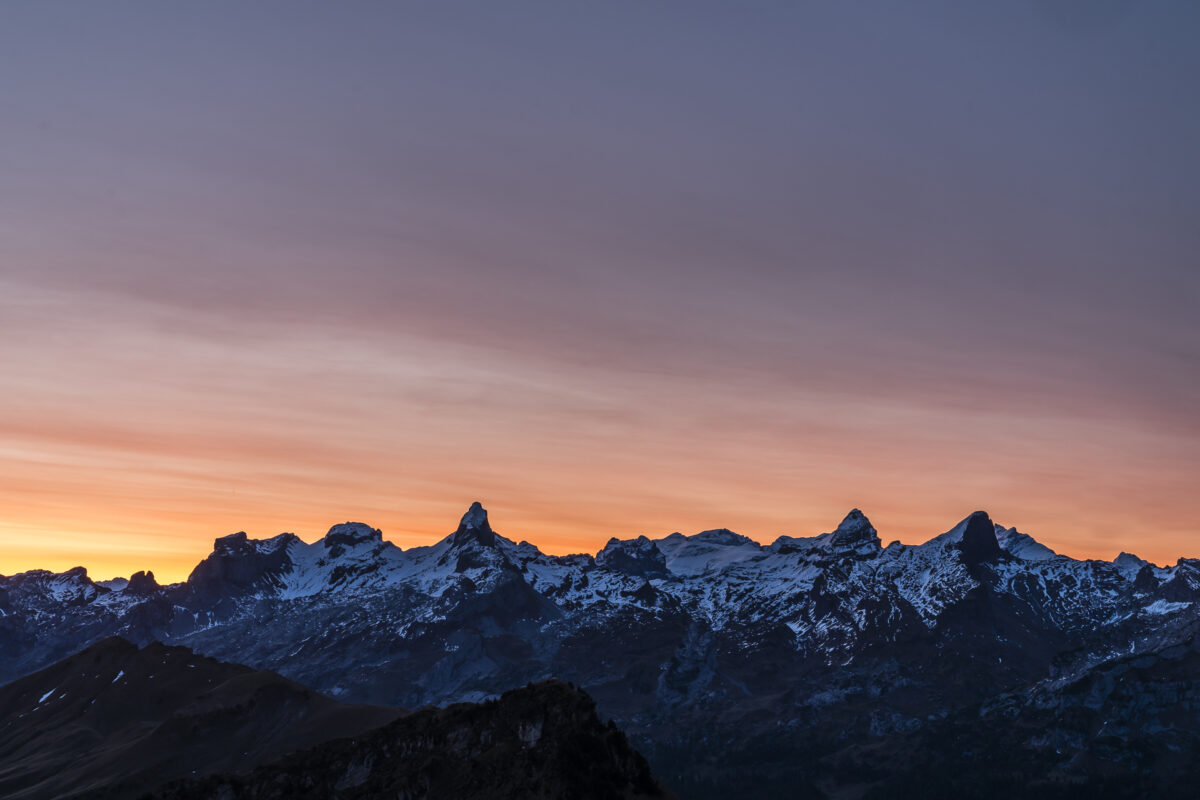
611	269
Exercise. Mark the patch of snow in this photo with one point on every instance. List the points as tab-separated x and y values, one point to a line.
1022	545
709	551
1159	607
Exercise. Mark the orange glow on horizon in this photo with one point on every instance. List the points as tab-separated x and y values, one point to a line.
178	440
172	544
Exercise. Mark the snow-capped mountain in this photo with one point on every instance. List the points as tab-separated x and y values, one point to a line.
685	640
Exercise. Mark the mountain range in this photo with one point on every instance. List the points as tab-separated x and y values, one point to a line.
822	666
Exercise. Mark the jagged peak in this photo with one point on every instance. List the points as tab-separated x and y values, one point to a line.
239	544
474	527
475	518
1129	558
854	532
1131	566
977	538
639	556
641	544
854	535
142	583
955	534
854	520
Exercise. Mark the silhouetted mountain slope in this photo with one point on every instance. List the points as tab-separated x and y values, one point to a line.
542	741
114	721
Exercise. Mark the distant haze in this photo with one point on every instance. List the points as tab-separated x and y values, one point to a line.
611	268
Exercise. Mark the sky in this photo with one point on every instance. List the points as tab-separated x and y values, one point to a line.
610	268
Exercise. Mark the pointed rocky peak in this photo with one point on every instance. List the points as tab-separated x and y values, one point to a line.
476	517
855	533
474	527
854	536
142	583
978	543
1129	565
854	521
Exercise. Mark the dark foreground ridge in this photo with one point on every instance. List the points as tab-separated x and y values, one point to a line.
114	721
542	741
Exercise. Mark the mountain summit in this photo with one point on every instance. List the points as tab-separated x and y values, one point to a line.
855	532
979	543
474	527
